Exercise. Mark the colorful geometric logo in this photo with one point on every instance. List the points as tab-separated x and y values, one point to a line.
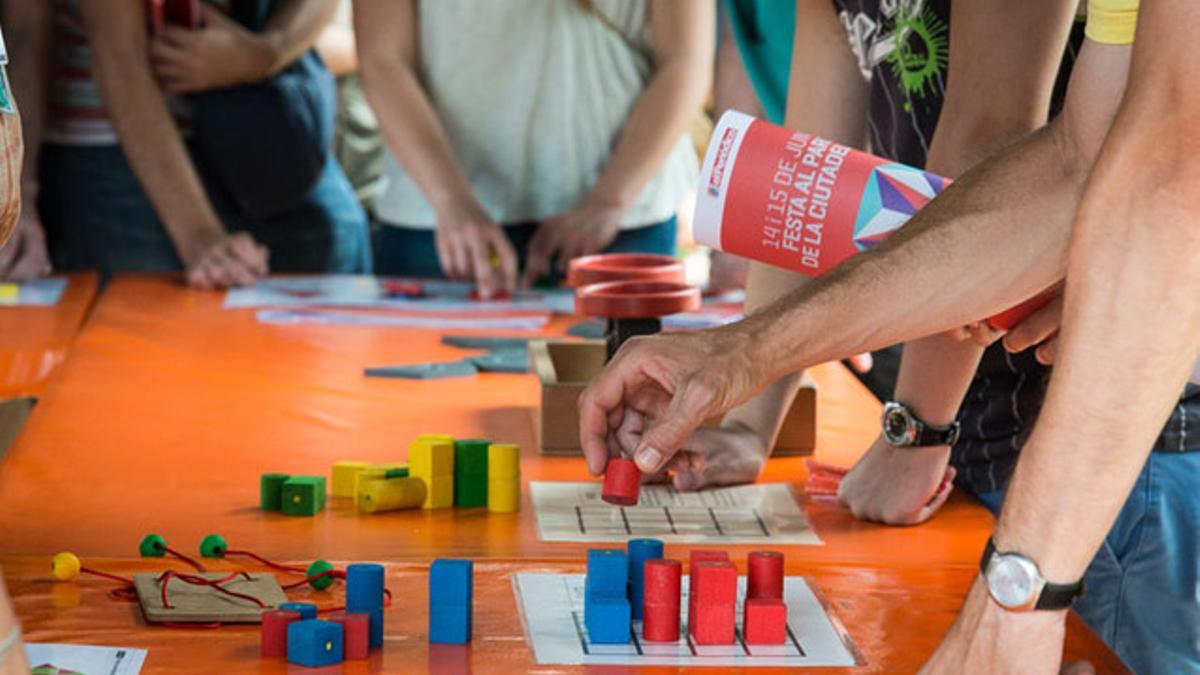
894	193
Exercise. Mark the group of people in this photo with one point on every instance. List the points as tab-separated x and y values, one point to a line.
494	141
487	141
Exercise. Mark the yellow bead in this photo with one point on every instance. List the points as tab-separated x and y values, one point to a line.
343	477
504	460
377	496
504	495
65	566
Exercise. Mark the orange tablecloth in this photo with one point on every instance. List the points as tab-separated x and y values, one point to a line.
33	340
169	408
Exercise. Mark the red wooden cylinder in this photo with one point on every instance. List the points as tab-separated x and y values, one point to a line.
764	575
660	611
660	623
622	482
275	629
355	633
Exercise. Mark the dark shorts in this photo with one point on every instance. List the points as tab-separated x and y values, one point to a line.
98	217
411	252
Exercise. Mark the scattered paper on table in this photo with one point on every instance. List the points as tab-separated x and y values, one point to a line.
367	292
745	514
552	611
32	293
63	659
336	318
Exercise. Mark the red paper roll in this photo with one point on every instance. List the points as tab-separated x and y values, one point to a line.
622	482
274	631
355	633
764	575
636	299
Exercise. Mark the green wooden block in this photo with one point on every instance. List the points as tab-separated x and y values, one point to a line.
303	495
398	472
471	457
270	491
471	490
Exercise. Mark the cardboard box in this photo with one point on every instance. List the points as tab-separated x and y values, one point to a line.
565	368
13	414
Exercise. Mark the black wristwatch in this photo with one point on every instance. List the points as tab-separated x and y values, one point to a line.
902	428
1016	584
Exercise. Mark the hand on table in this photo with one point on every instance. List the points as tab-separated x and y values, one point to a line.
25	257
988	640
221	54
731	454
588	228
898	486
228	260
666	386
471	246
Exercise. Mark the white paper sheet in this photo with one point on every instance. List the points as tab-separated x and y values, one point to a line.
32	293
83	659
552	611
747	514
330	317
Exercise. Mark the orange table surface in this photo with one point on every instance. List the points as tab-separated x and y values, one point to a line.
170	407
34	340
895	619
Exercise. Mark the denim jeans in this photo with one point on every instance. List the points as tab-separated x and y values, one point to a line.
97	216
1143	587
410	252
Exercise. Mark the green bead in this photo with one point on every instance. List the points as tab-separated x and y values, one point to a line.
399	472
153	546
303	495
213	546
270	487
316	568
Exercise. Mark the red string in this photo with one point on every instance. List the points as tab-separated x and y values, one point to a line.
106	575
186	559
273	565
165	579
333	574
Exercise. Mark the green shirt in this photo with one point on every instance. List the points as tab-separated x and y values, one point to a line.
764	31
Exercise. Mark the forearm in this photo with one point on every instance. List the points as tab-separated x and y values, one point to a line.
147	132
293	29
30	40
659	118
338	50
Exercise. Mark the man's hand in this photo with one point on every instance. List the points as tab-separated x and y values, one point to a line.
229	260
1040	329
586	229
898	486
221	54
471	246
667	386
24	257
988	640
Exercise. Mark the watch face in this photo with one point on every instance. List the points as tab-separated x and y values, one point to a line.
1011	580
895	426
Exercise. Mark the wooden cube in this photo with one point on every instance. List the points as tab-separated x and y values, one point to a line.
303	495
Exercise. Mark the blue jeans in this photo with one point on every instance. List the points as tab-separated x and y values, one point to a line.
410	252
97	216
1143	587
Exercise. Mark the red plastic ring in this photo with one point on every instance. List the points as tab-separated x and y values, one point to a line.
597	269
636	299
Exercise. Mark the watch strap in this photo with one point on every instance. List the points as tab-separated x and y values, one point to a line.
1052	597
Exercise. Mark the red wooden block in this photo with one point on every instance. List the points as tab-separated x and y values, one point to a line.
275	629
764	622
622	482
764	575
355	632
714	624
715	583
695	557
660	612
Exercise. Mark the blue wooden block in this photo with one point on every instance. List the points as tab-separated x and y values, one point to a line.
450	624
314	643
640	550
451	582
607	573
375	628
607	619
307	610
364	587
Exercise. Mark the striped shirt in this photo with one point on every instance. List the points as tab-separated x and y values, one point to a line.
76	114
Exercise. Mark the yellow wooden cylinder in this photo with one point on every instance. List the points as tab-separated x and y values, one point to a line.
391	494
504	495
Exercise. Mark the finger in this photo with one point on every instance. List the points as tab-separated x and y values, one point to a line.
481	267
182	39
936	503
441	244
603	399
164	53
1035	329
1078	668
1047	351
219	263
503	260
862	363
983	334
689	407
537	262
459	267
198	277
959	334
249	253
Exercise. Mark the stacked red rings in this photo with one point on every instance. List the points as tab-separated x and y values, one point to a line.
595	269
764	576
660	614
275	631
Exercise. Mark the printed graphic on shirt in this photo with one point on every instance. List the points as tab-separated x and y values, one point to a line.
7	105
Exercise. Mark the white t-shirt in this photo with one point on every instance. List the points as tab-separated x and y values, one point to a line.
533	95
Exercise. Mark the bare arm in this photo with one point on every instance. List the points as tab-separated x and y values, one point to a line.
387	50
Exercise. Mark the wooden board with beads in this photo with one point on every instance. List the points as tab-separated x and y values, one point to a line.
192	603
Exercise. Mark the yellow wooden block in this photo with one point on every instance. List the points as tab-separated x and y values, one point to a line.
439	493
445	438
504	495
504	460
431	458
366	475
344	473
377	496
9	290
